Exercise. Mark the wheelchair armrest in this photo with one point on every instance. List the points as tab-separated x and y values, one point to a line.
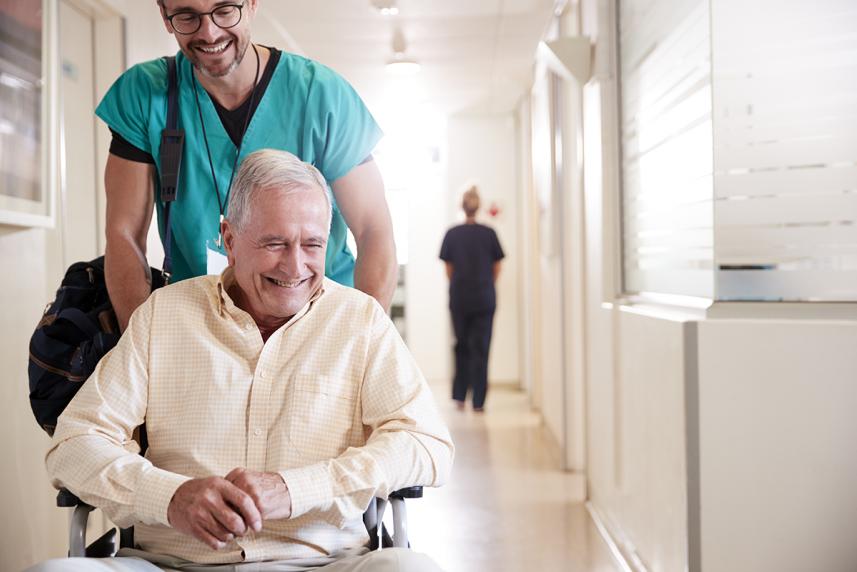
408	493
67	499
101	548
77	526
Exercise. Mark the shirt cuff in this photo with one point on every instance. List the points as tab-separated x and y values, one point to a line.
153	497
309	488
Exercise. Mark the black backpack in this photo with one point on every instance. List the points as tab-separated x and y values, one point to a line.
79	327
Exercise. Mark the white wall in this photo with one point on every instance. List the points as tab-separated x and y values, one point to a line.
718	440
526	244
33	528
778	454
146	37
636	358
556	272
482	150
544	264
637	460
426	314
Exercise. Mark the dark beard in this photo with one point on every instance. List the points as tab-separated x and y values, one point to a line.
229	69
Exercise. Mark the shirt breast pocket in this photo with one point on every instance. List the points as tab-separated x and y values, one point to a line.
321	412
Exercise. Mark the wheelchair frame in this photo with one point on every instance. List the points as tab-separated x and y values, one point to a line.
105	546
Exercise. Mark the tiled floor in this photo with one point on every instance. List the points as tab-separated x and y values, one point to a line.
507	508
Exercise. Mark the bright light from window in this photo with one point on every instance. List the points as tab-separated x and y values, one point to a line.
409	154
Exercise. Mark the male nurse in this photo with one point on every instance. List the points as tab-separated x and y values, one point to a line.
236	97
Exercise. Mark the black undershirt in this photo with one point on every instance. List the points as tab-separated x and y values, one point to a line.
233	120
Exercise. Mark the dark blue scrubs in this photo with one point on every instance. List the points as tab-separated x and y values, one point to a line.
472	249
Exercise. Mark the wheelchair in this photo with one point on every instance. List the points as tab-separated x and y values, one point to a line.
106	546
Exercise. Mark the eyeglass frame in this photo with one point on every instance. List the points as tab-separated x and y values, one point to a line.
210	14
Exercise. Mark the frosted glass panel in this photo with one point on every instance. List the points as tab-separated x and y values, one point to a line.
785	149
667	147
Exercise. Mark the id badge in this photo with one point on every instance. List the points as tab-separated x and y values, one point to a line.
217	261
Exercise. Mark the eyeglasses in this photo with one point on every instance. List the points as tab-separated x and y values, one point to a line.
224	16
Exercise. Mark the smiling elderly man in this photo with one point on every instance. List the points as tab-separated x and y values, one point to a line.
277	403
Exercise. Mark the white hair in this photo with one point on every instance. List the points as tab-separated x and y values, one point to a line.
269	169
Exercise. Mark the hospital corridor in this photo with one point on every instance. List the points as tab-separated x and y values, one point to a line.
577	279
522	514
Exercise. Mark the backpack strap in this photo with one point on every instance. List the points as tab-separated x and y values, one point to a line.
172	144
77	317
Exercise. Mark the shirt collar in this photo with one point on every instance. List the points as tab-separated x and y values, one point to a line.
226	305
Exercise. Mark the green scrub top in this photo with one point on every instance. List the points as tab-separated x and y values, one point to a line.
307	109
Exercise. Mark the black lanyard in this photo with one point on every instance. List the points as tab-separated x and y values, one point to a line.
222	203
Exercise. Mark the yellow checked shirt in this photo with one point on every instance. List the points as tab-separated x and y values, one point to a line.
333	401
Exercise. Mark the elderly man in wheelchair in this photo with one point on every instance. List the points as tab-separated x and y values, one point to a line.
277	403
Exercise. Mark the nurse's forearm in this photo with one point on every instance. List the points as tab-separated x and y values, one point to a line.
362	201
376	270
130	200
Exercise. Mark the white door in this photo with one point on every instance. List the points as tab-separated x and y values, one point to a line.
77	225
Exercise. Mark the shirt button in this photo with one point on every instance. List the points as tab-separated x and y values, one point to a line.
257	432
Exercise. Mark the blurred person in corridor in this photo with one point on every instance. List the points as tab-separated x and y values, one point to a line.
472	253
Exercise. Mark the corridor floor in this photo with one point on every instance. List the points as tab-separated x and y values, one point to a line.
507	508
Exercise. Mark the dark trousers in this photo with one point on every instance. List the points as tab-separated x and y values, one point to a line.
473	338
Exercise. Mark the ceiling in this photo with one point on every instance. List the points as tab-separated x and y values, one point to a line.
476	55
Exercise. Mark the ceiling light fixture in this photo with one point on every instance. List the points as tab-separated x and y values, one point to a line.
386	7
401	64
403	67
